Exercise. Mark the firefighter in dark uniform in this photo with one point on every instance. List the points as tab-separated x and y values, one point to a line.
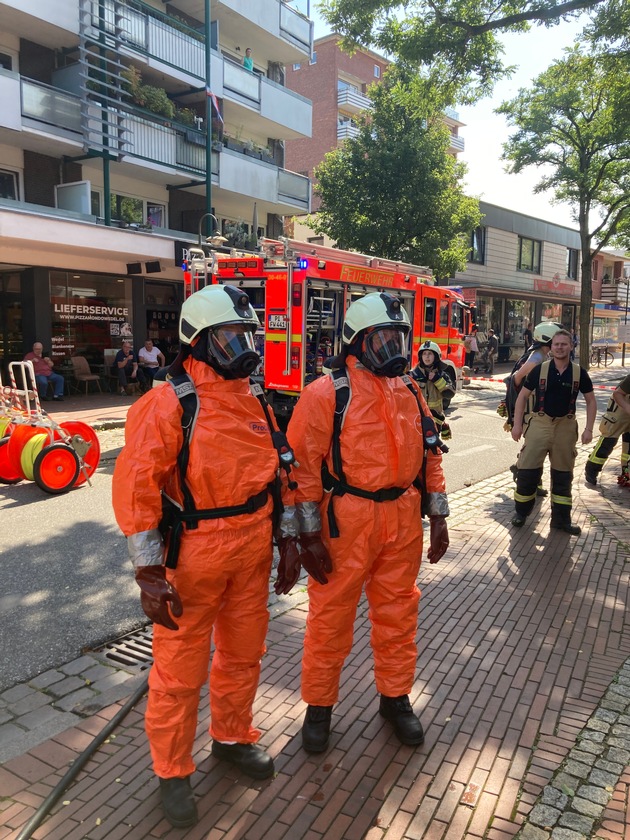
551	430
615	424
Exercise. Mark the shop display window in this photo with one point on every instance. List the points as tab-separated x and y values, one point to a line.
90	313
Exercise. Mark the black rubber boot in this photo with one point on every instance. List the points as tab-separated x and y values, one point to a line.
249	758
561	520
406	724
518	521
591	471
316	728
178	802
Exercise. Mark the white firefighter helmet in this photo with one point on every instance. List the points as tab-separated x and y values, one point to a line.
213	306
545	331
377	309
431	345
380	318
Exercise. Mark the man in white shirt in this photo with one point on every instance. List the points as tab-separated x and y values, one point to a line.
151	359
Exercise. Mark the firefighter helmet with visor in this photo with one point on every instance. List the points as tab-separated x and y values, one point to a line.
223	316
384	324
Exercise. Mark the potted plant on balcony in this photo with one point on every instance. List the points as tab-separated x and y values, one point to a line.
151	98
252	149
233	143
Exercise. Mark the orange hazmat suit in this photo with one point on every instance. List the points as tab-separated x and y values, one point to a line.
380	543
224	565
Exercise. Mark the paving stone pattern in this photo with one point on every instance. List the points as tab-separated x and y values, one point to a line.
523	688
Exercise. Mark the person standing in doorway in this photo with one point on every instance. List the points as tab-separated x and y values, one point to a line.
248	61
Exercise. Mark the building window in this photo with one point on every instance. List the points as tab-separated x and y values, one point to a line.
297	66
8	184
572	263
156	215
377	71
477	245
6	62
528	254
313	59
315	240
90	313
343	85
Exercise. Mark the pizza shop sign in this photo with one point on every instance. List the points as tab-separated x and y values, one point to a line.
83	311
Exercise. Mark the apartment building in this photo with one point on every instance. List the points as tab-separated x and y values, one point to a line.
523	270
337	84
119	133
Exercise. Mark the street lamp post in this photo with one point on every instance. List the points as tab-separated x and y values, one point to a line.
208	62
216	227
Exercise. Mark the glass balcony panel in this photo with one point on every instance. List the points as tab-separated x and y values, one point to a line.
48	105
239	80
294	186
295	25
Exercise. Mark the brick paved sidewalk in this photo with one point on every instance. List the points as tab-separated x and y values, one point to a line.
522	642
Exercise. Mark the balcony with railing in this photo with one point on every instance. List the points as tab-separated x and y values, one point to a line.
165	146
281	30
176	50
457	143
353	101
347	130
132	25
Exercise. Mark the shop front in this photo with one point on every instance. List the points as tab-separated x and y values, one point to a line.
509	315
84	314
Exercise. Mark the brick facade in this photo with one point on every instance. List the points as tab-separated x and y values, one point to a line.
318	82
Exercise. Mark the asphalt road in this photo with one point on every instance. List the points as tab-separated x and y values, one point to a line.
66	583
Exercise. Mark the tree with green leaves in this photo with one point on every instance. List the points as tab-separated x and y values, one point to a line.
394	191
458	40
575	122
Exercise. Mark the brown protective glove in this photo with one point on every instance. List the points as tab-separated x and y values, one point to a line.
438	539
289	565
156	592
315	557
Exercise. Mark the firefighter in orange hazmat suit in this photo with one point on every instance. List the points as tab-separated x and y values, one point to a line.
374	508
220	583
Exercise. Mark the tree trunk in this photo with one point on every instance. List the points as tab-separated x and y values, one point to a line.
586	300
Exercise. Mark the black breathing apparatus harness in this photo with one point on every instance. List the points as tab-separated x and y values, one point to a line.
542	387
176	517
336	484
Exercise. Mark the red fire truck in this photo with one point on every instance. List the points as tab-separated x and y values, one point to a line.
301	292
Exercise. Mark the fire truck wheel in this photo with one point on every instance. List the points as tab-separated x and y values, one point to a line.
56	468
8	475
93	454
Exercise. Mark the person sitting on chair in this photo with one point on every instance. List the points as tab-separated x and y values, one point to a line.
151	360
44	373
126	368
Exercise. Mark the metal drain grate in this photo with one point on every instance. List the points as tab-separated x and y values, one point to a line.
133	651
